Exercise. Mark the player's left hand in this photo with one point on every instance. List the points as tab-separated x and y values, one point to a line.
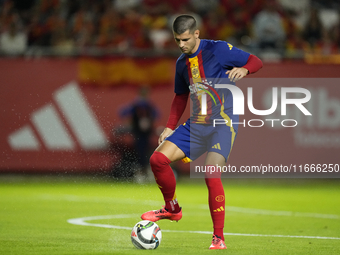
237	73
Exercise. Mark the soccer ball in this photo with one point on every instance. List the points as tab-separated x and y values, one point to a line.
146	235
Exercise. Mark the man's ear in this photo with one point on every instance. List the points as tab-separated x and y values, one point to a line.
197	33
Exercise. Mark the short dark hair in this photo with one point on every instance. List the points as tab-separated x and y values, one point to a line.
183	23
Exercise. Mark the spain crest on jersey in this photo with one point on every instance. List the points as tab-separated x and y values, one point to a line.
195	72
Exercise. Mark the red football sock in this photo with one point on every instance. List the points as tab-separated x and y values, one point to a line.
165	180
216	204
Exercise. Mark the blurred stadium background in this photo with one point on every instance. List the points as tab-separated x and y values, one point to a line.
70	69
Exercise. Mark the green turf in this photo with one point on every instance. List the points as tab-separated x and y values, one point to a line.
34	214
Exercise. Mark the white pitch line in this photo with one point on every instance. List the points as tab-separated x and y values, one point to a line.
281	213
83	222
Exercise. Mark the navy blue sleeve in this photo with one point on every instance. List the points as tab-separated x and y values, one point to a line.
181	87
230	56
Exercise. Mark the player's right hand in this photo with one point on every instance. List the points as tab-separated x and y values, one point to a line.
166	132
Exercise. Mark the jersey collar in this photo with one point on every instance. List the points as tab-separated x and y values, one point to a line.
197	51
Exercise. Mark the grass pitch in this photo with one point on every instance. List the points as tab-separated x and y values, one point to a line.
262	216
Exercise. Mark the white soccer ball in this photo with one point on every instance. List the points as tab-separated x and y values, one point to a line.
146	235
